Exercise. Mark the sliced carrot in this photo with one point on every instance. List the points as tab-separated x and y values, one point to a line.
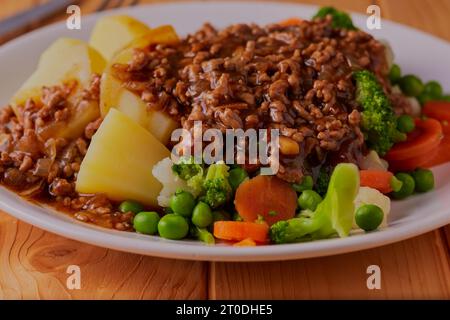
240	230
376	179
291	22
425	138
266	196
412	163
245	243
439	110
442	153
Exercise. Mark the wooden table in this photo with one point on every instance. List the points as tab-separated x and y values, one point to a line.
33	262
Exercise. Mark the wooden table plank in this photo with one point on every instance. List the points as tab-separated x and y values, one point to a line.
413	269
428	15
33	265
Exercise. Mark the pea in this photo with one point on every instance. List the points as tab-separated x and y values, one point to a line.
424	180
369	217
236	177
182	203
433	89
146	222
309	199
411	85
173	226
395	74
306	184
405	123
202	215
407	188
131	206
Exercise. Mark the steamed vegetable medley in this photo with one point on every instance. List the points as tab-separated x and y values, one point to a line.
90	130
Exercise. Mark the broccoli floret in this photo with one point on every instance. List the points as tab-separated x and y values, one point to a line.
341	20
191	172
379	123
333	215
216	186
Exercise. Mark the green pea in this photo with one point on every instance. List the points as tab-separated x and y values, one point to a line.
146	222
424	180
202	215
411	85
407	188
309	199
236	177
173	226
395	73
306	184
433	89
405	123
369	217
131	206
182	203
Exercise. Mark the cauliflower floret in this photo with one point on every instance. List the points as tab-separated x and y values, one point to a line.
373	162
368	195
162	171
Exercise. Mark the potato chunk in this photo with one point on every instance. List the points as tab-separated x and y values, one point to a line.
119	161
66	60
113	95
113	33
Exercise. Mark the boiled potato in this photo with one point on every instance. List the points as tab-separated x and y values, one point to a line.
81	115
119	161
113	95
112	33
64	61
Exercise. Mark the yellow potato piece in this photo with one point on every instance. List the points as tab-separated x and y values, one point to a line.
81	115
119	161
64	61
113	95
112	33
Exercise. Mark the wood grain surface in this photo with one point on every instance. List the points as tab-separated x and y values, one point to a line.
33	262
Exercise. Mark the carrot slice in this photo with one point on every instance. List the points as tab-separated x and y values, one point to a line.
439	110
240	230
425	138
376	179
442	153
245	243
291	22
413	163
267	196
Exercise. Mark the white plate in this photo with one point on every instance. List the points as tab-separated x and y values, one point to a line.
416	52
